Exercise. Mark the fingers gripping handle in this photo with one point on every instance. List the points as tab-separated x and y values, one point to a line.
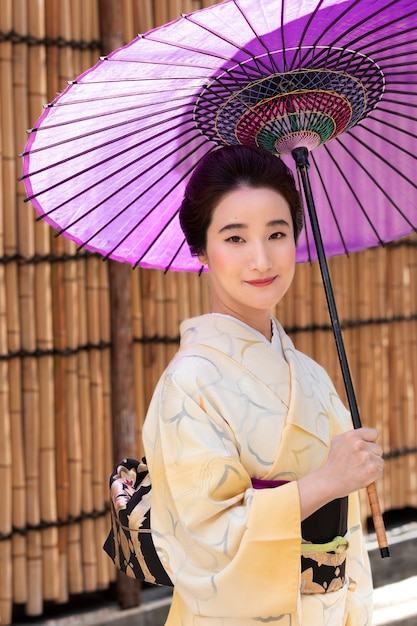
378	520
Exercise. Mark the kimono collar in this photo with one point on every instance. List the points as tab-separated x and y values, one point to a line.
299	382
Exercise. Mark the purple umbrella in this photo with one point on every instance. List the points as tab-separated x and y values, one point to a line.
330	81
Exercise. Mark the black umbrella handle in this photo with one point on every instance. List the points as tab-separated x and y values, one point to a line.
301	159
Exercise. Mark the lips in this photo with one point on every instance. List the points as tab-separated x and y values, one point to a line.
261	282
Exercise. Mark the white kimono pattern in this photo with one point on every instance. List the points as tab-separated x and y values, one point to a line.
230	407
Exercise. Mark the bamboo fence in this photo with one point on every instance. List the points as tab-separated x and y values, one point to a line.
55	365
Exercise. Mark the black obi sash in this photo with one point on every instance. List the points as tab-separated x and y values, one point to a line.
322	572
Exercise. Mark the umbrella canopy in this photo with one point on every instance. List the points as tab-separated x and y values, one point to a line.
107	162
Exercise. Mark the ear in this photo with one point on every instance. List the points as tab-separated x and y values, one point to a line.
202	258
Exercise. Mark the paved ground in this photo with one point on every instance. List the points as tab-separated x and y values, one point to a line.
395	581
395	578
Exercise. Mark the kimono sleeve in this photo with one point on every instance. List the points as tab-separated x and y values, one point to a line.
219	540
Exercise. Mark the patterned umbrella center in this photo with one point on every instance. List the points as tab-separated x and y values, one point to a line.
280	111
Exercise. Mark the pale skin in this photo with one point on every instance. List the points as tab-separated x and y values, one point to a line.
250	253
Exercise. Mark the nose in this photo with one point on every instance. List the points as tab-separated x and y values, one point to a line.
260	259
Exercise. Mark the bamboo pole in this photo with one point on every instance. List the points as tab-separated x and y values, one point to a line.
73	427
122	363
161	12
184	310
44	342
160	325
6	441
68	18
138	355
74	30
408	391
96	322
144	17
88	31
413	359
188	6
90	436
149	331
172	321
54	56
396	425
193	291
20	590
381	382
102	424
30	371
175	9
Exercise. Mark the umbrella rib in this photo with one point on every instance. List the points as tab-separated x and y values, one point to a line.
304	33
118	96
403	116
351	189
382	26
267	50
181	46
96	116
393	126
126	207
376	42
134	80
180	247
386	162
258	61
156	62
126	79
283	46
332	211
393	80
330	26
398	103
395	66
393	55
97	164
98	147
358	24
399	92
97	132
132	230
386	140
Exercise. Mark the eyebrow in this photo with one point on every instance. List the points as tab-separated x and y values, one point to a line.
237	225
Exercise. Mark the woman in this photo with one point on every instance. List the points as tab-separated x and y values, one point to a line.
253	459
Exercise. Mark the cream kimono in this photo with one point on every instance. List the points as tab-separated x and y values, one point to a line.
230	407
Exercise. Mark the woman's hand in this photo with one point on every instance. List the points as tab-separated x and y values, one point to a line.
354	461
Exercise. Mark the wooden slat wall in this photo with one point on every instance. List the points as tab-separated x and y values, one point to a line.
55	396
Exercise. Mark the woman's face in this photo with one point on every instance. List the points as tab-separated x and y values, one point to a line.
250	253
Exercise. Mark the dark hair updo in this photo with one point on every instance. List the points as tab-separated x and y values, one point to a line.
224	170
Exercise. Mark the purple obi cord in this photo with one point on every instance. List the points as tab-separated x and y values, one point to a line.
258	483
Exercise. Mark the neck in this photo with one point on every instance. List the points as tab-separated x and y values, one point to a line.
259	321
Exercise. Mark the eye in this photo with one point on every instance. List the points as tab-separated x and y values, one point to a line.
277	235
235	239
